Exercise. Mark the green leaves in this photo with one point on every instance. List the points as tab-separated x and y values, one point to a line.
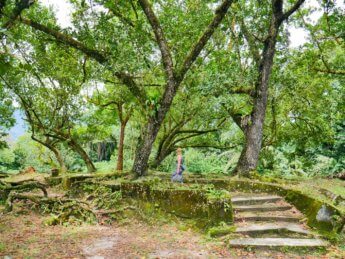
5	63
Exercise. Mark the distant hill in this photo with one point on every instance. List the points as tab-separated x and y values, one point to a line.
19	127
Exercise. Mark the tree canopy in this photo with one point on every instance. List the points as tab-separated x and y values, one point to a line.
218	78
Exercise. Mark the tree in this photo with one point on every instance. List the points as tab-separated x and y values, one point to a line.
174	77
52	104
253	124
119	100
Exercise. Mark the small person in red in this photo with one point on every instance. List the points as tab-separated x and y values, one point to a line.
177	175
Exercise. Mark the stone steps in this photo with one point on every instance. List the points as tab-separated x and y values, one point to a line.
269	222
267	218
255	229
277	242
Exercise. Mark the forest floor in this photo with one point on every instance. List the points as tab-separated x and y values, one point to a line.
25	235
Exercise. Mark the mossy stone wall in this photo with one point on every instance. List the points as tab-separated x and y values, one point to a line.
186	203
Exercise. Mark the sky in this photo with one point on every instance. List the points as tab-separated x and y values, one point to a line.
18	129
298	36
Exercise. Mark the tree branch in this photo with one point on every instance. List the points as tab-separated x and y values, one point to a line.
128	80
247	91
196	49
99	56
292	10
67	40
121	17
160	38
240	120
330	71
251	43
195	131
207	146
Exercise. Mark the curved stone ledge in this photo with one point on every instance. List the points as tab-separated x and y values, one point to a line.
186	203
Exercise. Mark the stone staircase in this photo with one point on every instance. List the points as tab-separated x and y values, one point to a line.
264	220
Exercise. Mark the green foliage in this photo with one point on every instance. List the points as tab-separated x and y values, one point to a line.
213	193
105	198
221	230
29	153
66	94
197	161
6	156
25	152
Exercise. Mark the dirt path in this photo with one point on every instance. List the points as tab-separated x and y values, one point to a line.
139	240
26	236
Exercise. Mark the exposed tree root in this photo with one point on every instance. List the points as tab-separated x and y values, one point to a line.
99	204
63	209
23	186
39	200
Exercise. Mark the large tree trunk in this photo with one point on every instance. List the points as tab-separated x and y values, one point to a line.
63	168
77	148
254	130
144	147
121	146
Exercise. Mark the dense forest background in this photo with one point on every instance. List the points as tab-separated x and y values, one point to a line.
129	82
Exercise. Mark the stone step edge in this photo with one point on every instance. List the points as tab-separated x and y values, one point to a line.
253	199
277	242
262	208
256	229
268	218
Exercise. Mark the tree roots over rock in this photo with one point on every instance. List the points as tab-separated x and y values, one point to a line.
22	186
100	203
63	210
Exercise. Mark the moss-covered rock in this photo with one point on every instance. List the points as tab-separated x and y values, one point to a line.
185	203
221	230
53	181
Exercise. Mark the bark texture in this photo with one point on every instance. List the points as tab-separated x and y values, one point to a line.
60	160
119	165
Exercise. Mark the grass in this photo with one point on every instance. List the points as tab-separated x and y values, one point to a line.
2	247
335	186
313	187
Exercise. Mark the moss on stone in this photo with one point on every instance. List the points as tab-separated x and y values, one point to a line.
309	206
53	181
191	202
221	230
